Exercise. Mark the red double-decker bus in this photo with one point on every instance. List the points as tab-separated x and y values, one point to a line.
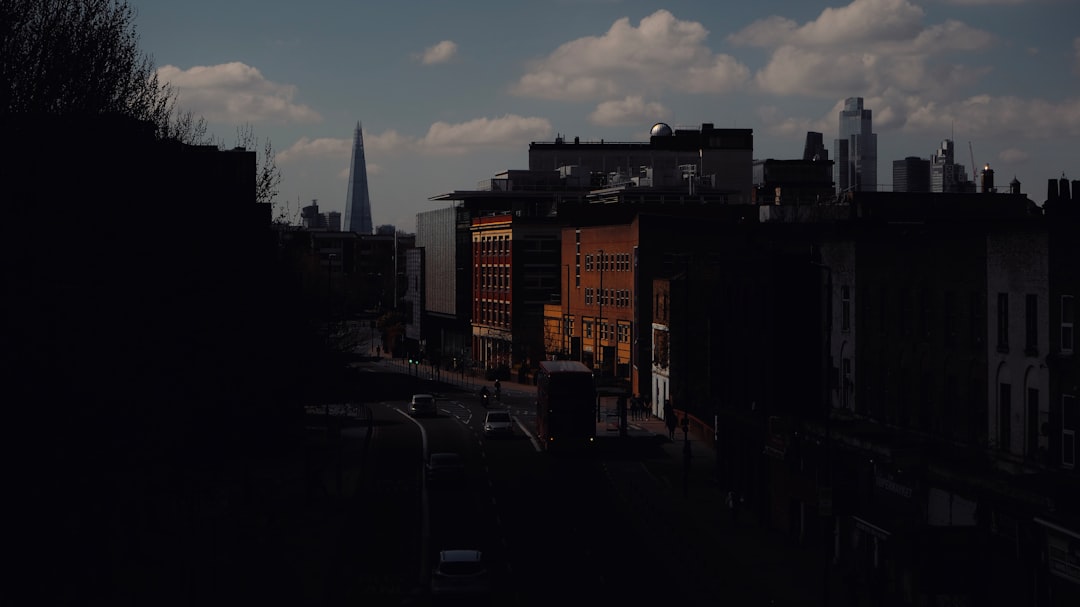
565	405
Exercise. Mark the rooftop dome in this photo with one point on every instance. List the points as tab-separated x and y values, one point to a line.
660	130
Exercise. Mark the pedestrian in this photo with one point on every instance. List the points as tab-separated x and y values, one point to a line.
669	419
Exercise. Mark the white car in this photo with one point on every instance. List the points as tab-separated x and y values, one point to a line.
460	573
498	423
423	405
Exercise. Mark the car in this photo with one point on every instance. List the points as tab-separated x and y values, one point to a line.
445	468
460	572
423	405
498	423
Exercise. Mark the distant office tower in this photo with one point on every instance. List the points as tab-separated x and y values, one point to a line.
311	218
332	221
357	202
911	174
815	147
945	174
855	151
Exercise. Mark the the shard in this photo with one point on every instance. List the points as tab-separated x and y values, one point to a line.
358	203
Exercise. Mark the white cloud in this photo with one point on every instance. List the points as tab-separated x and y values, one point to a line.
441	138
440	53
868	46
321	148
481	132
862	21
983	116
629	110
661	53
235	93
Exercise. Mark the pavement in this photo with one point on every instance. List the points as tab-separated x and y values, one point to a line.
672	485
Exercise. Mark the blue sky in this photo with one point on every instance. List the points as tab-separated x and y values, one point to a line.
450	93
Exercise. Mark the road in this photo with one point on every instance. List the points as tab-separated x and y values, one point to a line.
551	528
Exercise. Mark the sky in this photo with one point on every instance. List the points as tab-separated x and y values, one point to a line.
452	93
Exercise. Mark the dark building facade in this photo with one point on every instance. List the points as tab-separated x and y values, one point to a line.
912	174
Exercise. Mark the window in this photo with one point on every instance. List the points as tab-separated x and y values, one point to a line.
1032	435
1003	322
1070	419
1004	415
1031	324
845	308
1067	324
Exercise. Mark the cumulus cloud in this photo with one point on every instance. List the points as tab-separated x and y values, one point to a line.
440	53
632	109
441	138
1006	117
868	45
661	53
506	130
235	93
323	147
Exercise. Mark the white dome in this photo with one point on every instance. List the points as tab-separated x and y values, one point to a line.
660	130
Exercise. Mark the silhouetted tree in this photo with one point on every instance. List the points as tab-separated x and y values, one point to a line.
82	57
267	176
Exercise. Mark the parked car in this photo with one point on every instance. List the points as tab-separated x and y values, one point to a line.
460	573
498	423
423	405
445	468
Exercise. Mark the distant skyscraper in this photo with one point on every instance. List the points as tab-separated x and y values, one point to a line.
815	147
357	202
911	174
855	151
945	174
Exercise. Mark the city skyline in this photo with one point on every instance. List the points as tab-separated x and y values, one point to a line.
453	97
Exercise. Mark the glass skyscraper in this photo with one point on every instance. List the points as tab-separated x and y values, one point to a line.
855	151
357	202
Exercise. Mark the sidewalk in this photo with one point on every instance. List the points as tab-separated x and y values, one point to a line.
757	562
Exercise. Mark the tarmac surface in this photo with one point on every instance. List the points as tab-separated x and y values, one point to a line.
677	495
